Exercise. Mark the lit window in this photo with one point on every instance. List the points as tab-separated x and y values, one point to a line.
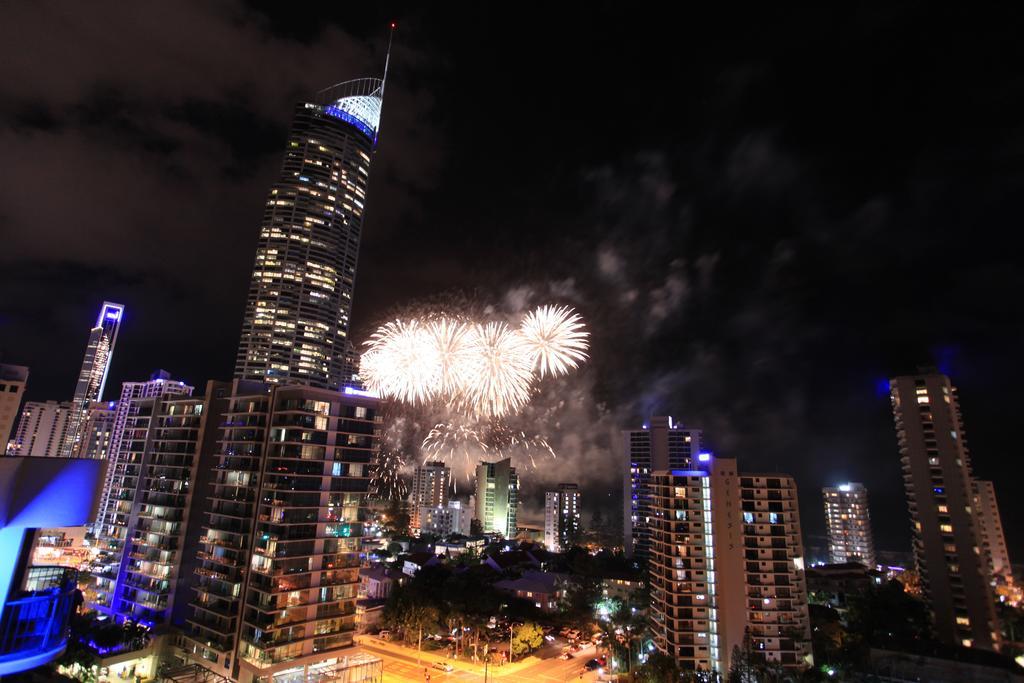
946	528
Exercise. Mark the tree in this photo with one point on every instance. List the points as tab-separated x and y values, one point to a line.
526	638
890	618
396	519
745	666
659	668
580	595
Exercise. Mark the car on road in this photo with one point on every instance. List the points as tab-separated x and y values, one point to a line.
592	664
443	666
565	656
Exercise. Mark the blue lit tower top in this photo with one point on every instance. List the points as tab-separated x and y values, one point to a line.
357	102
296	324
93	375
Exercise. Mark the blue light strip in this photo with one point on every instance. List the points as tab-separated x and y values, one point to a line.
348	118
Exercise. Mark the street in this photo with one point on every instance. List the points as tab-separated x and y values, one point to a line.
400	665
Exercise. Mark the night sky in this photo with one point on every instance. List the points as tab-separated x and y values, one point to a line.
761	214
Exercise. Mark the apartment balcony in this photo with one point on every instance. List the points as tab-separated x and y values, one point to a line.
33	627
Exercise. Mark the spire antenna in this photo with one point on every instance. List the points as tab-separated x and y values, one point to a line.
387	59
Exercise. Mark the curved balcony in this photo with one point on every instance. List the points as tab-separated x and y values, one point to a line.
33	627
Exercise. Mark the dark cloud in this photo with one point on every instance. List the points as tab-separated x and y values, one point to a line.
760	215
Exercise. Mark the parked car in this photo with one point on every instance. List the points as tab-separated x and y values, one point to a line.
443	666
565	656
384	635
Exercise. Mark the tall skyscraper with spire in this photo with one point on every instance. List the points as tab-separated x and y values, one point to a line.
296	322
93	375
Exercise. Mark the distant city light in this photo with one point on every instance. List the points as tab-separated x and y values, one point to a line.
704	457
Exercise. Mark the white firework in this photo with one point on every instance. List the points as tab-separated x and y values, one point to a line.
555	339
450	338
498	376
448	441
402	362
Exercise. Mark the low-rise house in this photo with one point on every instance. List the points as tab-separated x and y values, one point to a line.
831	584
416	561
375	583
544	589
369	614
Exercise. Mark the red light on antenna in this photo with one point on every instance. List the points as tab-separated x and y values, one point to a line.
393	26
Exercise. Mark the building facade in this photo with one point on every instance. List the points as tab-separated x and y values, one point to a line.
278	570
849	524
123	462
661	444
431	482
993	541
497	497
562	517
445	520
296	321
143	540
726	568
41	429
946	536
97	431
93	375
13	379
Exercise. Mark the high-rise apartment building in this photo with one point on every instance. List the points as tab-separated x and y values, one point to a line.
97	431
726	561
993	541
152	504
93	375
431	482
562	517
41	429
127	406
296	322
13	379
662	444
849	524
946	533
497	497
278	570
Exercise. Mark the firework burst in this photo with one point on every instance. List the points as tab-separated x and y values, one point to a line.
554	337
498	378
481	370
403	361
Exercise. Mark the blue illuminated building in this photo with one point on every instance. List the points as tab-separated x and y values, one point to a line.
36	602
93	375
